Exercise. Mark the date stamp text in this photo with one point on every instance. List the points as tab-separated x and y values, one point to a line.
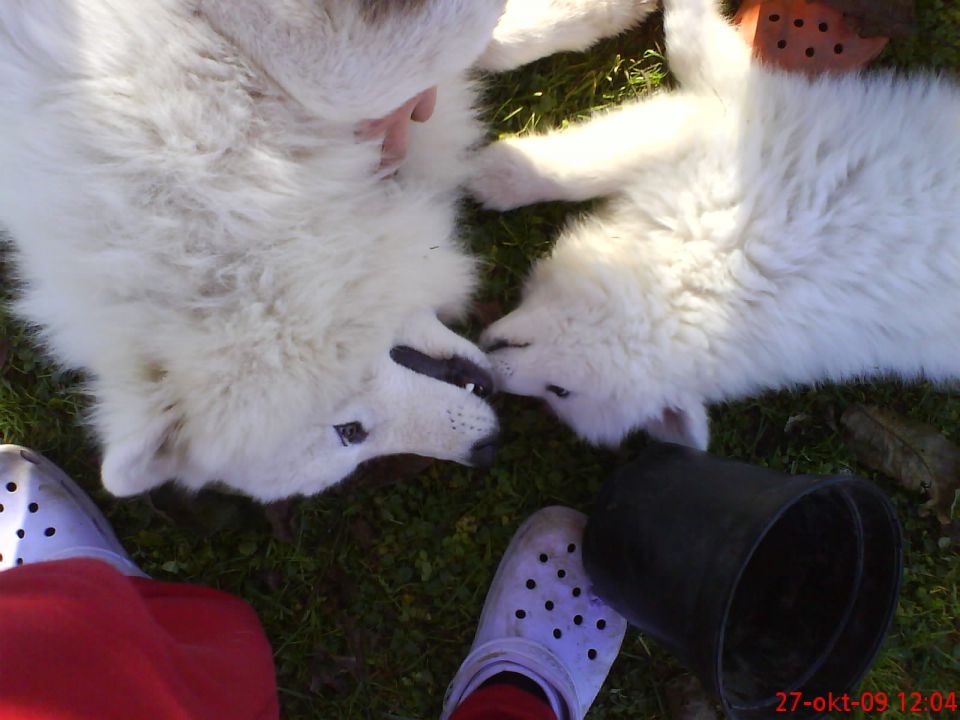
875	702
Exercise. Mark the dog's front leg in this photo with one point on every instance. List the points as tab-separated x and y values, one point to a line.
584	161
532	29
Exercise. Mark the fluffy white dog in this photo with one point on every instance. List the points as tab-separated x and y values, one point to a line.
196	225
763	230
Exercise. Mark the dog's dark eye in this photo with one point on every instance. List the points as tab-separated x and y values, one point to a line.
558	391
351	433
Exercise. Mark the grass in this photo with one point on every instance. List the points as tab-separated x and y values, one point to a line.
372	600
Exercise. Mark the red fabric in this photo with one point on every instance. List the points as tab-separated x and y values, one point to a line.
503	702
80	641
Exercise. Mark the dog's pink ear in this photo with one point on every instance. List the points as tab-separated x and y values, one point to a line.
138	462
687	426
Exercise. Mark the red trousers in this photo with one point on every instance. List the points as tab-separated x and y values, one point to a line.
503	702
80	641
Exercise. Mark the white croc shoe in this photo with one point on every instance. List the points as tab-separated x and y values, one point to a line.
542	620
45	516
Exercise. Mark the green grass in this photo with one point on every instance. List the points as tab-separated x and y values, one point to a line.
373	603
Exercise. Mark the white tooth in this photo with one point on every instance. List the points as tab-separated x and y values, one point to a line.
469	387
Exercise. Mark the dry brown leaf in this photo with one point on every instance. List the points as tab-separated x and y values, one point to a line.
687	700
796	422
487	313
282	516
913	453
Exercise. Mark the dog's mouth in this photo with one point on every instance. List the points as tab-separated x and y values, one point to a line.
501	344
456	370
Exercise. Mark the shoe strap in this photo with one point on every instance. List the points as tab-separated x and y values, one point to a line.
521	656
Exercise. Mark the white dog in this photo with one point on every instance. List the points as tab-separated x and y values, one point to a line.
763	230
196	225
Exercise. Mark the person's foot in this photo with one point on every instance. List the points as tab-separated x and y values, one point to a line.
45	516
541	620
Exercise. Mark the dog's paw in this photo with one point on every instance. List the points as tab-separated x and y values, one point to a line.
504	178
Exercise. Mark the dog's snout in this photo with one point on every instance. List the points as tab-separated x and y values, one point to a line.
485	451
456	370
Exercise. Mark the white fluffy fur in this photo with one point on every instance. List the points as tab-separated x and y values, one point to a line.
197	227
531	29
763	230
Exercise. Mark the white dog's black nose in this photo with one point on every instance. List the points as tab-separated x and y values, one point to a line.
483	453
455	370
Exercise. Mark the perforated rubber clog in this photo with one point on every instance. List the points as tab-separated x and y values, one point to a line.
45	516
805	36
541	619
